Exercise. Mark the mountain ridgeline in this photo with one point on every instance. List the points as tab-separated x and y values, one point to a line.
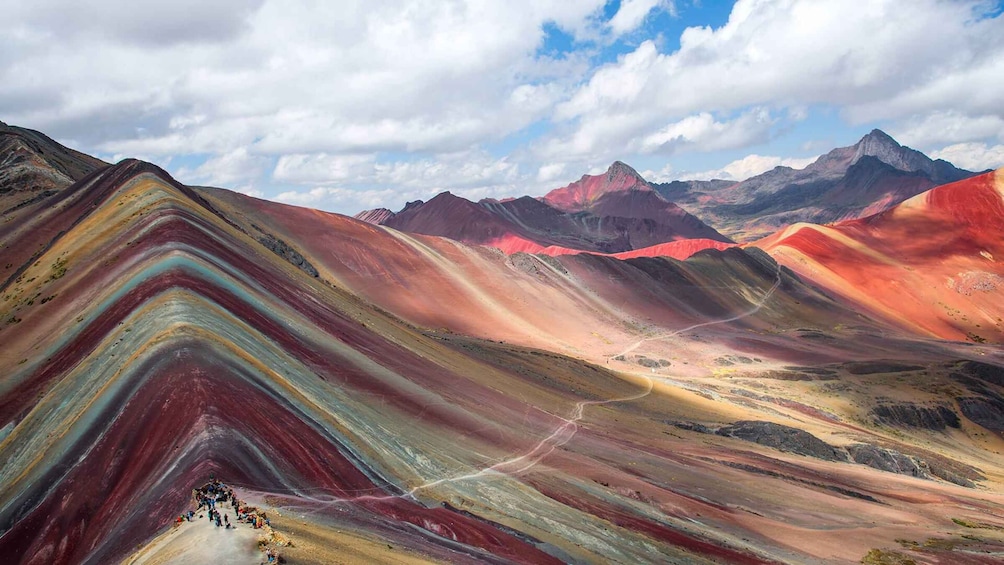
619	211
614	212
385	396
847	183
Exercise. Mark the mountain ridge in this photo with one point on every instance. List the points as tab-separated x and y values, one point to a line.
827	194
615	212
415	398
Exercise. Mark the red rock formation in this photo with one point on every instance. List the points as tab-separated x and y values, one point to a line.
931	263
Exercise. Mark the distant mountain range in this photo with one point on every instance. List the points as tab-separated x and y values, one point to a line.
397	397
619	211
872	175
615	212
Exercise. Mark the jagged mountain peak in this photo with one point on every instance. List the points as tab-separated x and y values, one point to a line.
881	145
621	170
581	194
879	136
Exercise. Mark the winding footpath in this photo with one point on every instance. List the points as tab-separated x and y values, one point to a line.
565	432
757	306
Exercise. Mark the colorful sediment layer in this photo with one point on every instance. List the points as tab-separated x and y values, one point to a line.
445	402
931	264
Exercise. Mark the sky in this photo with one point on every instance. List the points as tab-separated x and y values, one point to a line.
351	105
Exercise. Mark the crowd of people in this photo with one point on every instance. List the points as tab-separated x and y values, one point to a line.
215	496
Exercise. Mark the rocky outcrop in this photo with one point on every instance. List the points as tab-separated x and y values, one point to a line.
935	418
984	371
924	466
282	249
876	367
921	464
375	216
888	460
784	438
32	163
985	412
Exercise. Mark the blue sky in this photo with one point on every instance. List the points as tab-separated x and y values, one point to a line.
357	104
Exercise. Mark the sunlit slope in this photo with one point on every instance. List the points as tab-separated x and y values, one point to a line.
931	264
149	342
588	305
153	335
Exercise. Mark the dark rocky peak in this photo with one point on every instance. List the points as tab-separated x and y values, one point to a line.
410	205
33	162
443	205
883	147
446	197
620	170
880	145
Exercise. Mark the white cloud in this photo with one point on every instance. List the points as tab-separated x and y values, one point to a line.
351	199
394	95
702	132
234	168
632	13
664	174
471	174
878	60
949	126
286	77
749	166
972	156
321	168
550	171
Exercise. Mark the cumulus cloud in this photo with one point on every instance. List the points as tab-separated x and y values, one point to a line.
632	13
874	61
550	171
338	196
948	126
147	23
474	175
393	95
749	166
972	156
290	77
321	168
234	169
702	132
665	174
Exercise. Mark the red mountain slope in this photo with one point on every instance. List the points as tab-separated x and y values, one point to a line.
623	194
583	193
932	263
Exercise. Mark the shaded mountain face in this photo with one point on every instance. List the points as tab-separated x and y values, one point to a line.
611	213
849	182
33	167
410	398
